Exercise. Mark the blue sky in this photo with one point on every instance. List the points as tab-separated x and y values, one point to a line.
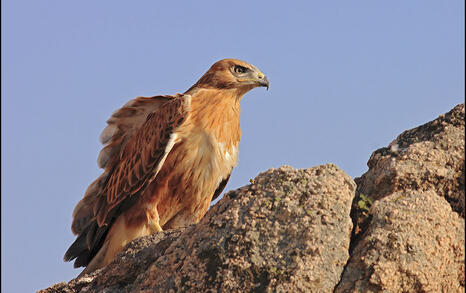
346	78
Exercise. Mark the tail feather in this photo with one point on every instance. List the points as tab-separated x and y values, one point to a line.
76	249
87	245
91	238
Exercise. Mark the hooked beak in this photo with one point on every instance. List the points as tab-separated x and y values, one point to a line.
263	81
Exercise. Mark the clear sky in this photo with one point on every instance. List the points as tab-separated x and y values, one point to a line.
346	78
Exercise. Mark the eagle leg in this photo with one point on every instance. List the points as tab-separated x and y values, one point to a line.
154	227
153	220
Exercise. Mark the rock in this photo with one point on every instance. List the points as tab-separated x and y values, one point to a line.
430	156
288	230
409	213
124	270
414	243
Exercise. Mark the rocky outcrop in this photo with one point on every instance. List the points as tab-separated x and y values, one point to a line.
288	230
429	157
412	238
291	231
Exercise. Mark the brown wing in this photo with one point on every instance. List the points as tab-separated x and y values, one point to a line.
133	164
124	123
135	138
142	157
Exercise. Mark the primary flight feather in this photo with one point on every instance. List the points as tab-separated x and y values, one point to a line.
165	158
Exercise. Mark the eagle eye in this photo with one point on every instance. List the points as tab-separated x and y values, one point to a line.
240	69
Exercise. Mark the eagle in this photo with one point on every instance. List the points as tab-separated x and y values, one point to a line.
165	158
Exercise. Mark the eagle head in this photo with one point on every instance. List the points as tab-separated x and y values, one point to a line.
232	74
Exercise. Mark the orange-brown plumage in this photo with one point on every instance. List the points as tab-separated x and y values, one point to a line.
165	158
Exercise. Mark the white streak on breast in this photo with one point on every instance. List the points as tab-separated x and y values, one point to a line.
171	142
230	155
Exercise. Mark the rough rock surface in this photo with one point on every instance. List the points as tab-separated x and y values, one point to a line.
289	230
412	238
430	156
414	243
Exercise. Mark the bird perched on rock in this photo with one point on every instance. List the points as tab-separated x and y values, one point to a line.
165	158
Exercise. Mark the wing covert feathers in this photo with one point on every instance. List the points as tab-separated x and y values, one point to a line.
124	123
142	154
135	145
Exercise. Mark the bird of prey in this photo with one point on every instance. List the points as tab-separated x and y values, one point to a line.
165	158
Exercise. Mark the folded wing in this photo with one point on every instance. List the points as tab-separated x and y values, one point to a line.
136	141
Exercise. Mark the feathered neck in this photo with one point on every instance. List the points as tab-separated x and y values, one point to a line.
218	112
